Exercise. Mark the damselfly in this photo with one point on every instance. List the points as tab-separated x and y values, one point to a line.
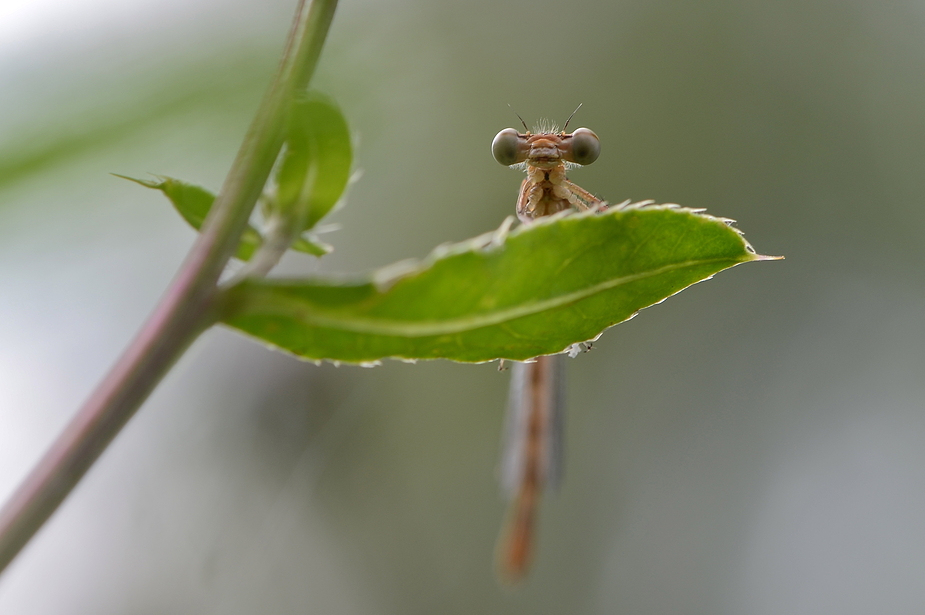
532	457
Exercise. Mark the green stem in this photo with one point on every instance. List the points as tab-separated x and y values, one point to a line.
187	308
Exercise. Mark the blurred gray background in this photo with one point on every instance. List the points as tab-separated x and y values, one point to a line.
755	444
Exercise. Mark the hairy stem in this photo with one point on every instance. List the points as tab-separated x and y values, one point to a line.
186	309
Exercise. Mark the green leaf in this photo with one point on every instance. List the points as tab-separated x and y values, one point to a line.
315	167
537	290
193	203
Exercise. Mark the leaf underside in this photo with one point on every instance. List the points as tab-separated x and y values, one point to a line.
315	169
533	291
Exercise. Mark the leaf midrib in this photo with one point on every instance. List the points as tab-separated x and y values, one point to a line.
287	305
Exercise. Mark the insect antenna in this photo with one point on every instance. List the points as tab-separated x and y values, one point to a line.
526	130
569	117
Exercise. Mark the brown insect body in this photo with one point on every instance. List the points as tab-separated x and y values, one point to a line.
533	451
546	156
533	460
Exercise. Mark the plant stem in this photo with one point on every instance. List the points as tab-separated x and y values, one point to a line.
187	308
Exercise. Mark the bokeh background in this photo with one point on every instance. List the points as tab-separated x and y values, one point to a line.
755	444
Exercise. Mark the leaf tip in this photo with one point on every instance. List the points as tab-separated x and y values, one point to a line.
147	183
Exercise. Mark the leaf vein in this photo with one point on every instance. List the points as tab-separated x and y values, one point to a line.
391	327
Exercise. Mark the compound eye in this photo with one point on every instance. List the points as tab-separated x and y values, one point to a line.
586	147
506	147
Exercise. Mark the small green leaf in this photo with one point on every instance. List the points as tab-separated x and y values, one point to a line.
193	203
545	286
315	248
315	167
